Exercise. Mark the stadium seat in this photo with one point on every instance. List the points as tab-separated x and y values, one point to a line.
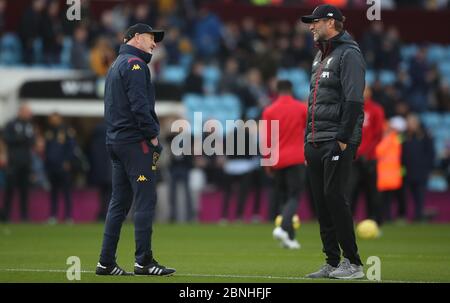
436	53
65	53
370	77
431	120
38	52
10	50
211	76
174	74
231	106
407	52
193	103
301	92
387	77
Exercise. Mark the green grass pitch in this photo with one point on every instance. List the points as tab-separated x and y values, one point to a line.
213	253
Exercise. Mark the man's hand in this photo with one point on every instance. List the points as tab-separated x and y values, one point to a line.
343	146
154	141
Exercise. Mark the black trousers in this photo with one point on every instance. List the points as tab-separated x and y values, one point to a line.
288	185
17	177
329	171
60	182
364	178
244	183
386	198
133	181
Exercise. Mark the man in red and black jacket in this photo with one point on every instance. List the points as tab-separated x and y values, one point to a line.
289	171
364	172
335	118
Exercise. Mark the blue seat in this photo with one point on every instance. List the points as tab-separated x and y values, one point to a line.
431	120
232	105
444	67
38	51
10	50
436	53
66	52
298	75
283	74
211	106
408	51
387	77
193	104
302	91
211	77
174	74
370	77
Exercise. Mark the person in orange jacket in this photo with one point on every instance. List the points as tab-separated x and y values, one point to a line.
389	167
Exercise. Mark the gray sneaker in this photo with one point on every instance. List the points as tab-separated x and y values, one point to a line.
323	272
345	270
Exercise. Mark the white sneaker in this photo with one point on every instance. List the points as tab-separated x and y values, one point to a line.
281	235
291	244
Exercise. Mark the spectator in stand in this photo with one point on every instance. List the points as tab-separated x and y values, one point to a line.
364	173
144	13
52	34
371	43
79	54
102	56
172	46
442	97
2	16
207	34
230	80
389	53
419	74
30	29
418	159
194	83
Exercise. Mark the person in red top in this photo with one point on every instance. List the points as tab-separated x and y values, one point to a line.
289	171
364	171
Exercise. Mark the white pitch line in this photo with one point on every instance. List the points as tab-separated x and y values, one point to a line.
214	276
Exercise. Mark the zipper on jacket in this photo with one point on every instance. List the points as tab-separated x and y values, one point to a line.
319	70
325	53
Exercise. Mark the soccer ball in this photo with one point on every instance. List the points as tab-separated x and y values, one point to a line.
295	221
367	229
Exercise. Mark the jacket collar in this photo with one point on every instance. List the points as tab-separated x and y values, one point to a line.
327	46
128	49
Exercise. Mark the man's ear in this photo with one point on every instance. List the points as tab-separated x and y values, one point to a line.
331	23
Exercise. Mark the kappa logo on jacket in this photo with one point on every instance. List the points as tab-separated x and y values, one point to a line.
141	178
136	67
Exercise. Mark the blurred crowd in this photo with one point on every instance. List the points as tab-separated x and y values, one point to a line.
248	56
385	4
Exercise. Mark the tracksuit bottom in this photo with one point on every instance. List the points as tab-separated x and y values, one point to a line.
133	179
288	184
329	171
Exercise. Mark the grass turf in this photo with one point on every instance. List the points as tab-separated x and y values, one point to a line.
213	253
